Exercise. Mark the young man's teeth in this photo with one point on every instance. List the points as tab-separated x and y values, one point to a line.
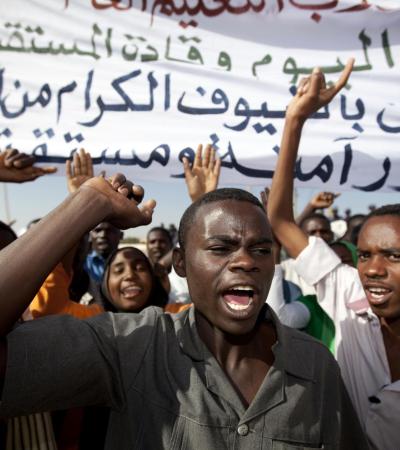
247	289
377	292
238	307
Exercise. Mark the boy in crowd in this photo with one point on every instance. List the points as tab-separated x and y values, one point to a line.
367	332
222	374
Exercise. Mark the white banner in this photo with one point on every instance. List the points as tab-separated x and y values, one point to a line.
140	84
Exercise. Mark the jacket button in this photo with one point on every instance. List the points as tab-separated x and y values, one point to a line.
243	430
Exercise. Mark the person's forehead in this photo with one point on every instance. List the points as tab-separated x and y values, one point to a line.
381	231
230	216
103	226
157	234
317	222
129	254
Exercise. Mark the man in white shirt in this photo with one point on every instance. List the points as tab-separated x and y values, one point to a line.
365	306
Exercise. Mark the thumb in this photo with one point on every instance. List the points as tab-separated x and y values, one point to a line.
146	210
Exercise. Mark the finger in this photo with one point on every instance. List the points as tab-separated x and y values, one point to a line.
83	161
68	169
137	193
147	210
263	198
315	82
22	160
213	159
265	195
77	164
8	157
207	156
117	180
197	158
187	169
344	76
89	164
48	170
217	168
126	189
302	87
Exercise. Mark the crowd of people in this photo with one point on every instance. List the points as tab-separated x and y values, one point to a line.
212	339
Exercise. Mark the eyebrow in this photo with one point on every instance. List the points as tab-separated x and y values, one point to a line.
382	250
229	240
390	250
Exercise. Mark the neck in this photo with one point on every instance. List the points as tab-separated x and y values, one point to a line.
392	324
230	350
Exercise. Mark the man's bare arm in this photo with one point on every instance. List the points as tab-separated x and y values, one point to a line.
312	94
27	261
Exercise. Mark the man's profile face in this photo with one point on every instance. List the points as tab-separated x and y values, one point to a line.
229	264
158	245
318	227
105	238
379	264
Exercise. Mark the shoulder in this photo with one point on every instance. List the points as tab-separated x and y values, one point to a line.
307	356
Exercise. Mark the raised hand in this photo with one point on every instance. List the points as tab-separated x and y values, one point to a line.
16	167
203	176
79	170
323	200
312	93
123	199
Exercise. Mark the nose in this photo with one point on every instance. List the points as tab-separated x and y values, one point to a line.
375	267
243	260
130	273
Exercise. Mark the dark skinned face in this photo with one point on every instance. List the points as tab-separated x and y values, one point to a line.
343	253
379	265
105	238
319	228
158	245
229	264
129	280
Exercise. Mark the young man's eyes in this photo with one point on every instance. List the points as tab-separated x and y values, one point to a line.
262	250
394	257
363	256
220	249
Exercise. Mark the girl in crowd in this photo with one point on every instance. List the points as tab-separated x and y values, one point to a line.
129	285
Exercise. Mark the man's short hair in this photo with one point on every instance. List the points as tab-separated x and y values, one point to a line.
214	196
386	210
314	216
162	230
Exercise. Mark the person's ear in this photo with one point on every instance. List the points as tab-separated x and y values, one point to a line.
178	261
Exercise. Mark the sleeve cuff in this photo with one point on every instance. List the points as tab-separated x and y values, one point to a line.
316	261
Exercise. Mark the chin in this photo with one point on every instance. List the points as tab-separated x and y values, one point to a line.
238	328
388	313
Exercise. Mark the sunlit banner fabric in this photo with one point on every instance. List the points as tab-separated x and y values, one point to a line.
141	83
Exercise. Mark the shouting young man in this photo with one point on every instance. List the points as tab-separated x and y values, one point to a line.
365	306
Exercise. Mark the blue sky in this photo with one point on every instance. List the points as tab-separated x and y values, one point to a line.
31	200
